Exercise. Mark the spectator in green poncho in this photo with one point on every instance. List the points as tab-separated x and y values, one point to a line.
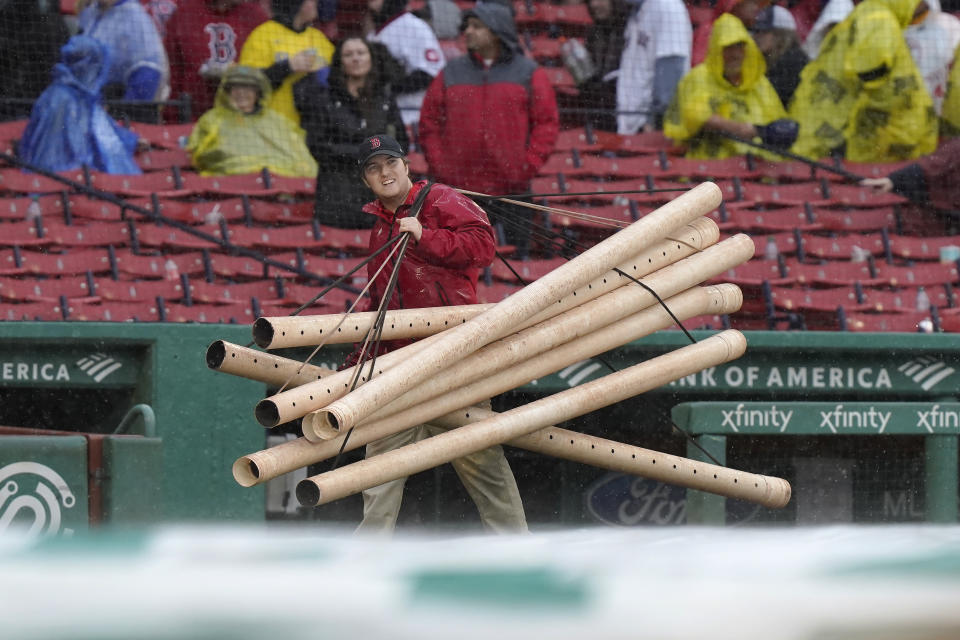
242	135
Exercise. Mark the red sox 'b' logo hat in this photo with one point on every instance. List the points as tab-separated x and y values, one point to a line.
378	145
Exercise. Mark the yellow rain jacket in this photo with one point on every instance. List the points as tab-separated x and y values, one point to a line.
228	142
885	119
273	42
950	127
704	92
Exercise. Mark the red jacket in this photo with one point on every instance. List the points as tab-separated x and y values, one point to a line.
440	270
489	130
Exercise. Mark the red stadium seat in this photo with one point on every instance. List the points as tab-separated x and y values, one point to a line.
145	311
24	234
223	293
886	322
18	181
785	171
842	247
857	220
852	195
825	300
276	238
905	299
32	311
754	273
795	194
921	248
163	159
251	184
919	274
835	274
348	240
229	209
293	186
110	290
15	208
156	266
638	143
166	136
786	243
771	220
152	235
241	267
99	234
235	313
265	211
75	262
44	289
94	209
140	185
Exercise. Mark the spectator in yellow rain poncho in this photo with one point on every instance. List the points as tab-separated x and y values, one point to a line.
242	135
950	124
863	97
727	94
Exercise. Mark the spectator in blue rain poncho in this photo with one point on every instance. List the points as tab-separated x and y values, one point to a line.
68	126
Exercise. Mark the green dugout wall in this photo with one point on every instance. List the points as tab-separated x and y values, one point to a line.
83	377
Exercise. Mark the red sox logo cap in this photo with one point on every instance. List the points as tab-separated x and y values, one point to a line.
378	145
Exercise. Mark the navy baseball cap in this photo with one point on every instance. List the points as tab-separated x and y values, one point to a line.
378	145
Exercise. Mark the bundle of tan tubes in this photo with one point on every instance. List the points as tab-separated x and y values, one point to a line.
465	355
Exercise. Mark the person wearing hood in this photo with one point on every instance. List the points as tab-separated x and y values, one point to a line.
357	104
656	55
203	38
933	36
746	10
139	66
728	95
489	119
775	32
834	12
862	97
950	117
68	127
242	134
287	49
414	45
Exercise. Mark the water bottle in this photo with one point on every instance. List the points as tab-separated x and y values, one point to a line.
170	270
577	60
770	251
923	300
33	209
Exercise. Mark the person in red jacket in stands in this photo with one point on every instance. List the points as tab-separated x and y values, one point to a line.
203	38
451	240
489	119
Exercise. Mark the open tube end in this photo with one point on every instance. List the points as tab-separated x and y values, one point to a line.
308	493
267	413
263	332
246	472
320	425
216	353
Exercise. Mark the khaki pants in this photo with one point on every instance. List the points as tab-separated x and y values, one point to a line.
486	475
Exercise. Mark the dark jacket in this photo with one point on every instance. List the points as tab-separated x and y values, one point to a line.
932	180
489	130
336	123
